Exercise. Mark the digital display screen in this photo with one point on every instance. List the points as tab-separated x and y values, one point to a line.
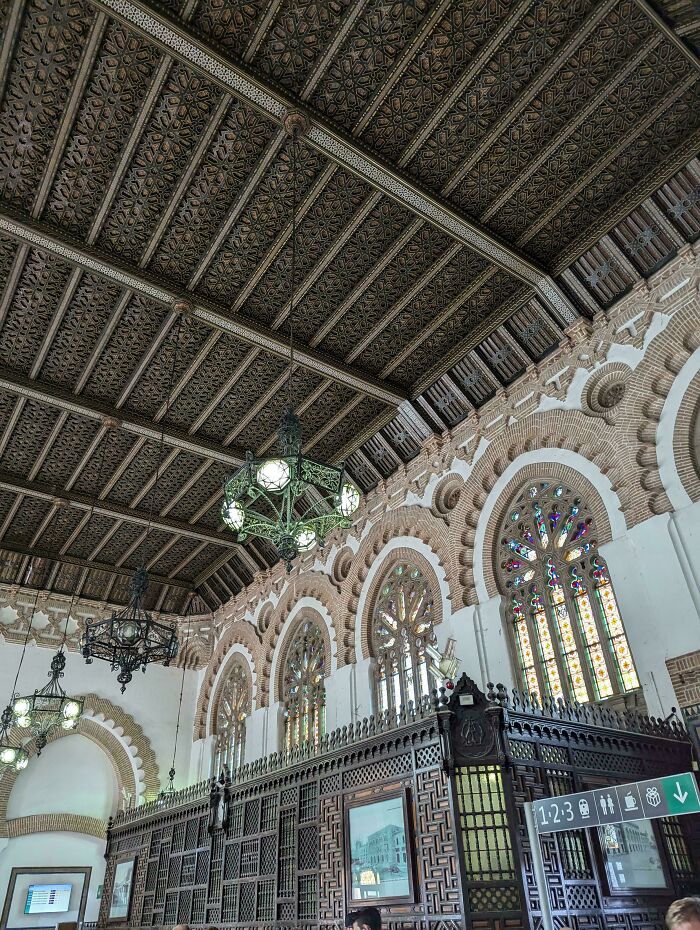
48	899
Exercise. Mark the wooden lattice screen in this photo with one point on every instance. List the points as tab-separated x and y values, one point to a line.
466	769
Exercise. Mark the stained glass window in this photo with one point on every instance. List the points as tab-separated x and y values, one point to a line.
232	709
402	639
303	687
569	637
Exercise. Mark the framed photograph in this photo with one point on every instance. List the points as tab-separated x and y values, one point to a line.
632	858
122	888
379	865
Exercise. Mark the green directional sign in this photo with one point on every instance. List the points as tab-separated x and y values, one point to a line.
681	793
671	795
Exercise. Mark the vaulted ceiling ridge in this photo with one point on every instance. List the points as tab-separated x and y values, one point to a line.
239	78
24	229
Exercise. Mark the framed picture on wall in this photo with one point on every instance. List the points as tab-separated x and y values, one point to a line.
378	851
122	888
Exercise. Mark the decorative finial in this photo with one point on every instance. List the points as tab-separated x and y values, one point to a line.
295	123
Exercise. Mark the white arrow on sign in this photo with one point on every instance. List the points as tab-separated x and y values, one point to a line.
679	794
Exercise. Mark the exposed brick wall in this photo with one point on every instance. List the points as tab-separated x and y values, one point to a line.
56	823
685	677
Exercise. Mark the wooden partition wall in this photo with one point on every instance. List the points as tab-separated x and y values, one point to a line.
270	849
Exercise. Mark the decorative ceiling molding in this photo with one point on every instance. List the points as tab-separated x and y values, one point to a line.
178	40
24	230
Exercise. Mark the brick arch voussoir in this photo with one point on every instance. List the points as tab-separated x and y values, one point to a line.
133	734
554	430
241	633
391	559
275	689
653	380
413	521
320	588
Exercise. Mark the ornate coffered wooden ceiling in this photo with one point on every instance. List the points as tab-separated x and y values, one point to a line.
464	161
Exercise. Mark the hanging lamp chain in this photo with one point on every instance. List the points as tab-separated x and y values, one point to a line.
188	612
295	145
161	441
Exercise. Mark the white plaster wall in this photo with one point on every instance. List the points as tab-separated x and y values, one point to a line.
656	599
151	698
54	850
49	784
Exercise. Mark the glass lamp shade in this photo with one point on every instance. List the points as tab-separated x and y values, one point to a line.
127	632
8	755
69	724
24	722
349	500
234	515
306	539
273	474
21	708
71	710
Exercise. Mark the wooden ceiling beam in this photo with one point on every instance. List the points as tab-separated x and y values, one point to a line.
59	558
54	396
23	229
47	492
180	41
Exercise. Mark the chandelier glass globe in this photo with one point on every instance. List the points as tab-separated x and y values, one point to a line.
11	756
274	474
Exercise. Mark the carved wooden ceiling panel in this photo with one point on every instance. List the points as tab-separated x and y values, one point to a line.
136	173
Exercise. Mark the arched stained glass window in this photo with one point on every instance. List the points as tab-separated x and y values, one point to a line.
232	709
569	637
303	686
402	639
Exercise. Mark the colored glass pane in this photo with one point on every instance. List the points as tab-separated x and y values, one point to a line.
548	542
524	648
232	709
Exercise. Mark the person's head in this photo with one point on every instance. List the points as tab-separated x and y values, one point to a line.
366	918
684	914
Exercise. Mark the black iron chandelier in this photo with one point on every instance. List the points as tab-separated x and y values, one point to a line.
130	639
291	500
49	708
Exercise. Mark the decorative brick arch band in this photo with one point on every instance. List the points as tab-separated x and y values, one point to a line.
56	823
555	429
110	743
304	615
145	763
540	470
241	633
316	587
411	557
686	440
413	521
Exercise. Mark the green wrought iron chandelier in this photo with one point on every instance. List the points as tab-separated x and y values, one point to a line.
291	500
